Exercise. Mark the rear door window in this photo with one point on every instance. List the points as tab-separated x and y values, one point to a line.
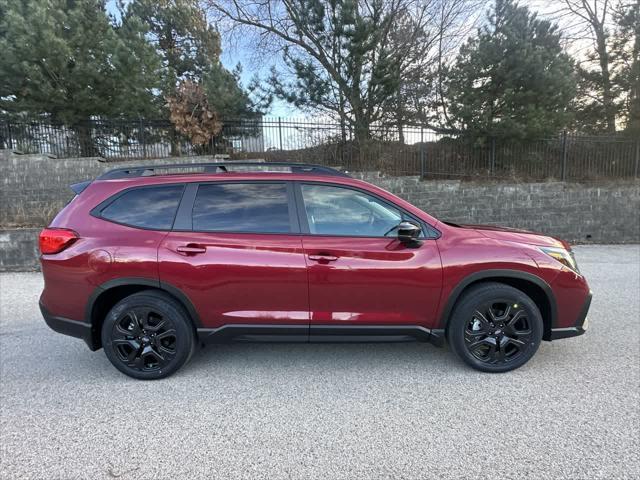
145	207
259	207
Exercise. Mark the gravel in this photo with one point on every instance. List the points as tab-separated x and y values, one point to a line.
328	411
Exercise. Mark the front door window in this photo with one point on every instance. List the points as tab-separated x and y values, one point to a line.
341	211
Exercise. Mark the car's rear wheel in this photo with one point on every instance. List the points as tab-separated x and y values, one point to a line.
148	335
495	328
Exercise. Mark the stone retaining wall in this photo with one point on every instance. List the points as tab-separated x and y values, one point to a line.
35	187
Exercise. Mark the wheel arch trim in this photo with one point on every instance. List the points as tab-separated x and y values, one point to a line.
496	275
142	282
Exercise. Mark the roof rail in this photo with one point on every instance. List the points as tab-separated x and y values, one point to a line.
217	167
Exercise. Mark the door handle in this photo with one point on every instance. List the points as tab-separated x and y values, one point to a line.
191	249
323	258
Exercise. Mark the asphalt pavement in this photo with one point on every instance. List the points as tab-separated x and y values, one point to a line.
370	411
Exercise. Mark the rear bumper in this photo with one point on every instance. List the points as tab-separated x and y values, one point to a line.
73	328
580	327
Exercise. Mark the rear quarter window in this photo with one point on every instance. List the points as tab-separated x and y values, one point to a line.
145	207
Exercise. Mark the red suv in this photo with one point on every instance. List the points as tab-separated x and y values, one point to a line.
147	262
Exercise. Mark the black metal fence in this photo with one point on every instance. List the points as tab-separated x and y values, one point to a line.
413	150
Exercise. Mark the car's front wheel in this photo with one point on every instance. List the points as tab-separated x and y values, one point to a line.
495	328
148	335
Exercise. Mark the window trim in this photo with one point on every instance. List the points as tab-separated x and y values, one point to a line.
98	209
183	220
429	232
184	217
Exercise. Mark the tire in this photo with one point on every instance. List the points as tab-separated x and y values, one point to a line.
148	335
495	328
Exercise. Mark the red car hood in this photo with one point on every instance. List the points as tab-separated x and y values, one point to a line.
517	235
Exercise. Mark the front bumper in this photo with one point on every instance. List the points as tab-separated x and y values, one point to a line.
580	327
72	328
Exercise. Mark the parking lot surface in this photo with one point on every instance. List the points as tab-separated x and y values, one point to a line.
328	411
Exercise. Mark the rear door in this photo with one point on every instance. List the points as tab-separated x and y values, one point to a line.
236	252
360	274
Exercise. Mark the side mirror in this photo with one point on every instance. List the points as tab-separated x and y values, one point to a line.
408	231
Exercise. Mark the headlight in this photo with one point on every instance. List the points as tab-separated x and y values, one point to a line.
563	256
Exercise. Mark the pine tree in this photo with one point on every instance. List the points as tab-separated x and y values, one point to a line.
190	51
179	31
354	75
69	61
513	80
226	95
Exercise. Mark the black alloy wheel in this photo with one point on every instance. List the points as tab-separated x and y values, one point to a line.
144	339
498	332
148	335
495	328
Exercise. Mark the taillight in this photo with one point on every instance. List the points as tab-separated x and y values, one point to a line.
55	240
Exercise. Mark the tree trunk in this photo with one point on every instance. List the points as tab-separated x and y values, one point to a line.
400	131
361	128
634	94
85	139
608	100
5	136
362	136
343	117
399	116
175	142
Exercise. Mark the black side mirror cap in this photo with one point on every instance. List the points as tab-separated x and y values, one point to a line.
408	231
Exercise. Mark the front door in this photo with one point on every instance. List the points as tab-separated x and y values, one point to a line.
240	260
360	274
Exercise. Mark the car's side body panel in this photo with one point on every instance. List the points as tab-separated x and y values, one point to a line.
373	281
241	278
469	254
73	275
105	251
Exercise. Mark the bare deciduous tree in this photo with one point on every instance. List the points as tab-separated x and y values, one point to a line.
598	86
362	61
